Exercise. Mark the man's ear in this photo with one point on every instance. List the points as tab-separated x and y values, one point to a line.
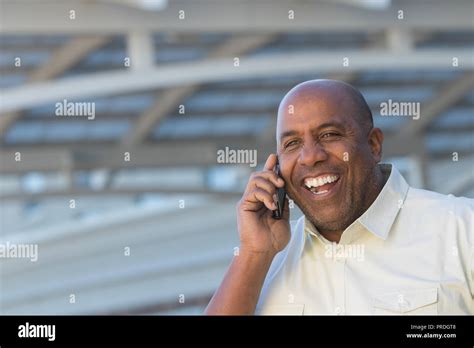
375	143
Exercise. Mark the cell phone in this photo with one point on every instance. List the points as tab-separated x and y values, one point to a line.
281	198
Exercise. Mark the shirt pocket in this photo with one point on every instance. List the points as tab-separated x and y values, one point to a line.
294	309
407	302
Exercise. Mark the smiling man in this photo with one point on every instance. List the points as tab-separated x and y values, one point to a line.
368	243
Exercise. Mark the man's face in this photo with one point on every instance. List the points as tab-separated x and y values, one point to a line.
327	158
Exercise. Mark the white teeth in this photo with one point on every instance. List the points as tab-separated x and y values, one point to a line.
316	182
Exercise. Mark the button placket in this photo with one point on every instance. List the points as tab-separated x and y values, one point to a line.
340	301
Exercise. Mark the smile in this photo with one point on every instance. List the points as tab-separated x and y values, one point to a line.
321	185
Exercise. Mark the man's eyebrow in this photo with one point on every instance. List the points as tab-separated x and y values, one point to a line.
288	134
318	128
331	124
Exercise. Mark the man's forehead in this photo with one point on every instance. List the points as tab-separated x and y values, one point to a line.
314	100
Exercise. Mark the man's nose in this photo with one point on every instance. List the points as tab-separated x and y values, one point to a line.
312	154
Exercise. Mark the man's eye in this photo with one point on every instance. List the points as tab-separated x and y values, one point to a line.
291	143
329	135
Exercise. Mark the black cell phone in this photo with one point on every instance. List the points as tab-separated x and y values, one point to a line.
281	195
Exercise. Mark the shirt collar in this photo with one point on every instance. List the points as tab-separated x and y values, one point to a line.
380	216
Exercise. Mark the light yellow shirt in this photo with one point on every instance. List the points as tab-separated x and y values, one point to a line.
411	252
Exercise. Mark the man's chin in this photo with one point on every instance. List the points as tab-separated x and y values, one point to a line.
327	222
324	215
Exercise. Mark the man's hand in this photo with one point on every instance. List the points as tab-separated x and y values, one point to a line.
261	238
259	231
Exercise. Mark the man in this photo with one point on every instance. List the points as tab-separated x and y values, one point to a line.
367	243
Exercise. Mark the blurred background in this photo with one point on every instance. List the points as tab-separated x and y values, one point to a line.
130	209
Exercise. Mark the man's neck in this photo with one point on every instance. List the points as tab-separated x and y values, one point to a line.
332	236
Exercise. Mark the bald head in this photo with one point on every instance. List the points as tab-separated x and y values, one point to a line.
329	92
